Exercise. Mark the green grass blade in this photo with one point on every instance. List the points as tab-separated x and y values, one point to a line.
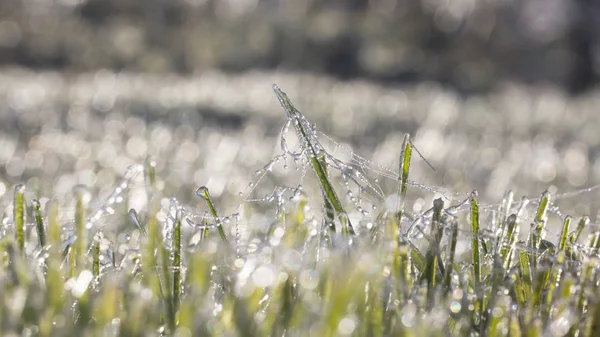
177	266
136	220
526	278
451	255
328	206
562	242
583	222
96	257
312	154
405	156
39	222
78	248
203	193
476	258
537	232
508	240
19	216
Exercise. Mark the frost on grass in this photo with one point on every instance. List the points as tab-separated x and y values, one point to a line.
323	241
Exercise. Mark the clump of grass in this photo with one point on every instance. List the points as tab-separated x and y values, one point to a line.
313	153
455	269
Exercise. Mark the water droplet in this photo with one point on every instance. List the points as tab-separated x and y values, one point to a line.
20	188
363	211
202	191
455	307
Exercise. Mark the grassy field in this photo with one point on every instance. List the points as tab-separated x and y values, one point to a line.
337	254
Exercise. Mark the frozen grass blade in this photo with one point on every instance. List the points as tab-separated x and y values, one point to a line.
78	248
150	266
405	156
312	153
328	207
536	235
136	220
562	242
432	257
583	222
451	254
177	261
405	164
526	278
508	241
39	222
96	257
19	216
202	192
476	258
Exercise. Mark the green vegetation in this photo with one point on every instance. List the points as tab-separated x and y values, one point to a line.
457	268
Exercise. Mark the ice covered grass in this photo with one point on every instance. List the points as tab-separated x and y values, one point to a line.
337	253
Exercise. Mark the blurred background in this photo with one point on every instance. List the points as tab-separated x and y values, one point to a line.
497	94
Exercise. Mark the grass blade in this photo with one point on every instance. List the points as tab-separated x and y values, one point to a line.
39	222
476	258
451	254
508	240
312	153
405	156
19	216
177	260
562	242
202	192
136	220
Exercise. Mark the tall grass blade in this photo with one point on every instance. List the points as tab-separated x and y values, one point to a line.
537	232
78	247
312	152
451	254
476	258
328	206
508	241
96	257
39	222
177	266
405	156
202	192
562	241
19	216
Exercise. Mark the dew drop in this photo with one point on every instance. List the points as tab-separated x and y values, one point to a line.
202	191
